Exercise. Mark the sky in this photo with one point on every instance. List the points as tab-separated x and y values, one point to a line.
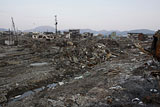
81	14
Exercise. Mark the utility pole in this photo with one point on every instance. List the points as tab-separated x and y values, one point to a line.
14	29
13	25
56	23
10	39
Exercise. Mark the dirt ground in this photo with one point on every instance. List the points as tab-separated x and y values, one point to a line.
83	72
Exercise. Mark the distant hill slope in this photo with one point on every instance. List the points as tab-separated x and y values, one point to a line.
41	29
51	29
145	31
2	29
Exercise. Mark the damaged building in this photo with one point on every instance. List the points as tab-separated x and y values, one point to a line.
87	34
138	36
74	33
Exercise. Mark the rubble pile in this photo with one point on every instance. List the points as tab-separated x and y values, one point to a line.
84	54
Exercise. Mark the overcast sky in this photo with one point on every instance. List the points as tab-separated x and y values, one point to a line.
92	14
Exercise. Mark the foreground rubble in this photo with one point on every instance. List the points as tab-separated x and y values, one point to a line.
83	72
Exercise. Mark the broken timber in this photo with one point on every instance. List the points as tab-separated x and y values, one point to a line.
155	48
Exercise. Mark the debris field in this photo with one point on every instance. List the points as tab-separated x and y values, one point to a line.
81	72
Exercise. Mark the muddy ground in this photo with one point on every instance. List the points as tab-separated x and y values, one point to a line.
82	72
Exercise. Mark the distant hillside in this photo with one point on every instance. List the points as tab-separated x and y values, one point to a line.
145	31
98	32
2	29
41	29
51	29
88	30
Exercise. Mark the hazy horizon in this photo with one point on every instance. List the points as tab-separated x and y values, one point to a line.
83	14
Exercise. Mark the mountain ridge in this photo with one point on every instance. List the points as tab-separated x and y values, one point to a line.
3	29
41	29
105	32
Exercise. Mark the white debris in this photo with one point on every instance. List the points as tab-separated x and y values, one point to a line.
113	56
154	90
39	64
17	96
60	83
116	88
83	66
141	53
56	103
136	100
149	62
101	45
117	99
17	84
80	77
134	59
140	103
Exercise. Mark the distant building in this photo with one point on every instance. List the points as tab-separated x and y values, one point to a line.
58	32
138	36
74	33
43	36
1	33
113	35
47	33
67	34
6	33
87	34
142	37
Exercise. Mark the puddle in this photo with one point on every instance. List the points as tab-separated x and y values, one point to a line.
19	97
34	91
38	89
31	92
51	85
39	64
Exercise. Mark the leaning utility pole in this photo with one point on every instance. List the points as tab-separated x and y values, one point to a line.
13	25
56	23
14	30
